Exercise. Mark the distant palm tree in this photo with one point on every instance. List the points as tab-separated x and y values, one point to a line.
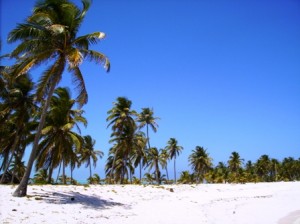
95	179
40	177
153	162
234	164
88	154
122	121
201	162
290	169
138	155
145	118
174	150
263	167
186	178
49	35
164	157
149	178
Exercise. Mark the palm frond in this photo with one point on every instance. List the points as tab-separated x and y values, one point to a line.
97	57
78	80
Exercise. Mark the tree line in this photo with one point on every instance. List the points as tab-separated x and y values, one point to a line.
44	117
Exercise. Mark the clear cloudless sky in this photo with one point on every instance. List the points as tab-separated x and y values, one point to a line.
224	75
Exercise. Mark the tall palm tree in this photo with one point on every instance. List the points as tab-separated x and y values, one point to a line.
59	142
145	118
122	121
88	154
50	35
174	150
201	162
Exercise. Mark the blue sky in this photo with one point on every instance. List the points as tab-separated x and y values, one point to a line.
224	75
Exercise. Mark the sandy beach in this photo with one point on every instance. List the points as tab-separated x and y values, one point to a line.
264	203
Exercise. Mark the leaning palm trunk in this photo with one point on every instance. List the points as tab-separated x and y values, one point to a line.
21	190
12	155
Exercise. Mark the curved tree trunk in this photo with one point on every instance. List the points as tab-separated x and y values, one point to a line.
21	190
12	155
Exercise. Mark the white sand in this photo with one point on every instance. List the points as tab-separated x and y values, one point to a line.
264	203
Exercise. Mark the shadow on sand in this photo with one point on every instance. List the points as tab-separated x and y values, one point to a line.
87	201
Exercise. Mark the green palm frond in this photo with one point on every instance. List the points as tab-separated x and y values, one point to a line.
97	57
84	41
78	80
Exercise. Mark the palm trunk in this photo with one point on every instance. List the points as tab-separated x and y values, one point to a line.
175	170
58	173
64	173
12	155
50	175
6	168
21	190
157	173
141	172
71	175
90	170
167	173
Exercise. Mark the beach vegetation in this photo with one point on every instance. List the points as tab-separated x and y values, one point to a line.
49	35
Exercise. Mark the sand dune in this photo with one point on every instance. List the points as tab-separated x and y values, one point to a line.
264	203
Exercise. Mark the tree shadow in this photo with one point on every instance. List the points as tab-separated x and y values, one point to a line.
88	201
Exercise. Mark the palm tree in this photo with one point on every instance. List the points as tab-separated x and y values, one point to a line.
16	117
222	172
59	143
174	150
145	118
50	35
88	154
95	179
153	161
234	164
263	166
41	177
201	162
186	177
290	169
122	122
138	155
164	157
